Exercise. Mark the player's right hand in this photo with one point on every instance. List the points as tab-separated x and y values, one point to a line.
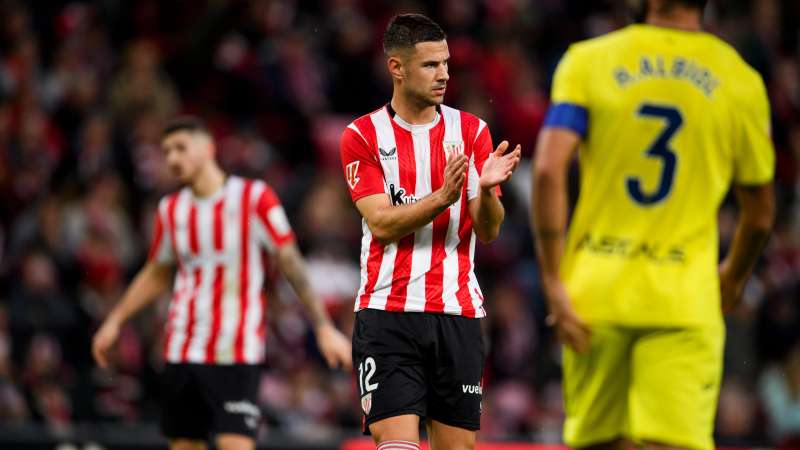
730	288
455	173
103	341
570	329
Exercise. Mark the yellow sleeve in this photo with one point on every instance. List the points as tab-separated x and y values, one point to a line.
569	81
754	155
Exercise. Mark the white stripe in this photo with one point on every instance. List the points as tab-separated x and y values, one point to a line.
481	126
473	178
181	286
452	122
203	301
257	226
353	127
474	288
401	445
164	252
230	297
181	318
366	242
391	170
423	237
252	346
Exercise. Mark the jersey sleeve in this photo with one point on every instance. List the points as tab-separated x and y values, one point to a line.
160	244
270	214
480	153
569	106
754	155
362	172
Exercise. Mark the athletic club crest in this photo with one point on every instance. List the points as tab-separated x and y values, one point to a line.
366	403
351	173
453	147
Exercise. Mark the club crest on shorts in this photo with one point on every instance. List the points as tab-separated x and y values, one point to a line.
453	147
366	402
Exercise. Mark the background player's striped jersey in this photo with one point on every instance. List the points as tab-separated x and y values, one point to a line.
219	246
669	119
430	270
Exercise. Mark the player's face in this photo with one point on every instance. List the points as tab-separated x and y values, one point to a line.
186	153
425	72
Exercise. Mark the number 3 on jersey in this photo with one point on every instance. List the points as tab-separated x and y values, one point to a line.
659	149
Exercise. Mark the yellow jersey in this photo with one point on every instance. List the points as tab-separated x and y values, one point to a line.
668	119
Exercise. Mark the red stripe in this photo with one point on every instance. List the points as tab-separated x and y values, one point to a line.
216	313
375	256
374	261
396	301
219	280
171	202
198	278
194	246
218	224
158	232
469	126
434	279
244	273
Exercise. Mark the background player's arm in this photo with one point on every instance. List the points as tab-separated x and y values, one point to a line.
334	347
390	223
756	216
486	210
554	152
152	279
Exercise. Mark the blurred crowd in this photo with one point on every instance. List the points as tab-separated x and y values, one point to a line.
85	87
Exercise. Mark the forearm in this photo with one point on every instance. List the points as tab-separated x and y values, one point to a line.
143	290
489	215
754	225
748	242
292	266
392	223
549	218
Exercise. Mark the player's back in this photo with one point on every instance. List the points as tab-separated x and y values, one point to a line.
673	118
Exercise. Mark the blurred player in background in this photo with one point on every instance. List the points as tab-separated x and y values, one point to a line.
667	117
424	179
217	231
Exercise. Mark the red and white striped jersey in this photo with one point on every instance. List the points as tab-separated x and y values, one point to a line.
430	270
219	244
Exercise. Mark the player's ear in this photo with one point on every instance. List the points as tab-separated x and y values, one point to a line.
395	66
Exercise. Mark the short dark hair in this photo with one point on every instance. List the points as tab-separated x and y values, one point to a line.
639	9
407	30
699	4
191	124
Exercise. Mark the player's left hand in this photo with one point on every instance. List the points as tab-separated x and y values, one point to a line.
334	346
499	166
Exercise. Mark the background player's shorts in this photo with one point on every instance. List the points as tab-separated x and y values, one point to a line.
648	384
426	364
202	400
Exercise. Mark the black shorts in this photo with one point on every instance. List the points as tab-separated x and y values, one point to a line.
430	365
202	400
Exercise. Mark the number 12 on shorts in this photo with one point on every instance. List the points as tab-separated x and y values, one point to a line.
366	370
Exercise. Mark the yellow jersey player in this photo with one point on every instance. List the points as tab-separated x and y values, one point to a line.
667	118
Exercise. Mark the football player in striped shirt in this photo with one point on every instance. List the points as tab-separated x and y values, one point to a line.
216	234
667	118
425	180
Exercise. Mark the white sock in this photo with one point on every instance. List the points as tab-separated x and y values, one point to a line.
398	445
